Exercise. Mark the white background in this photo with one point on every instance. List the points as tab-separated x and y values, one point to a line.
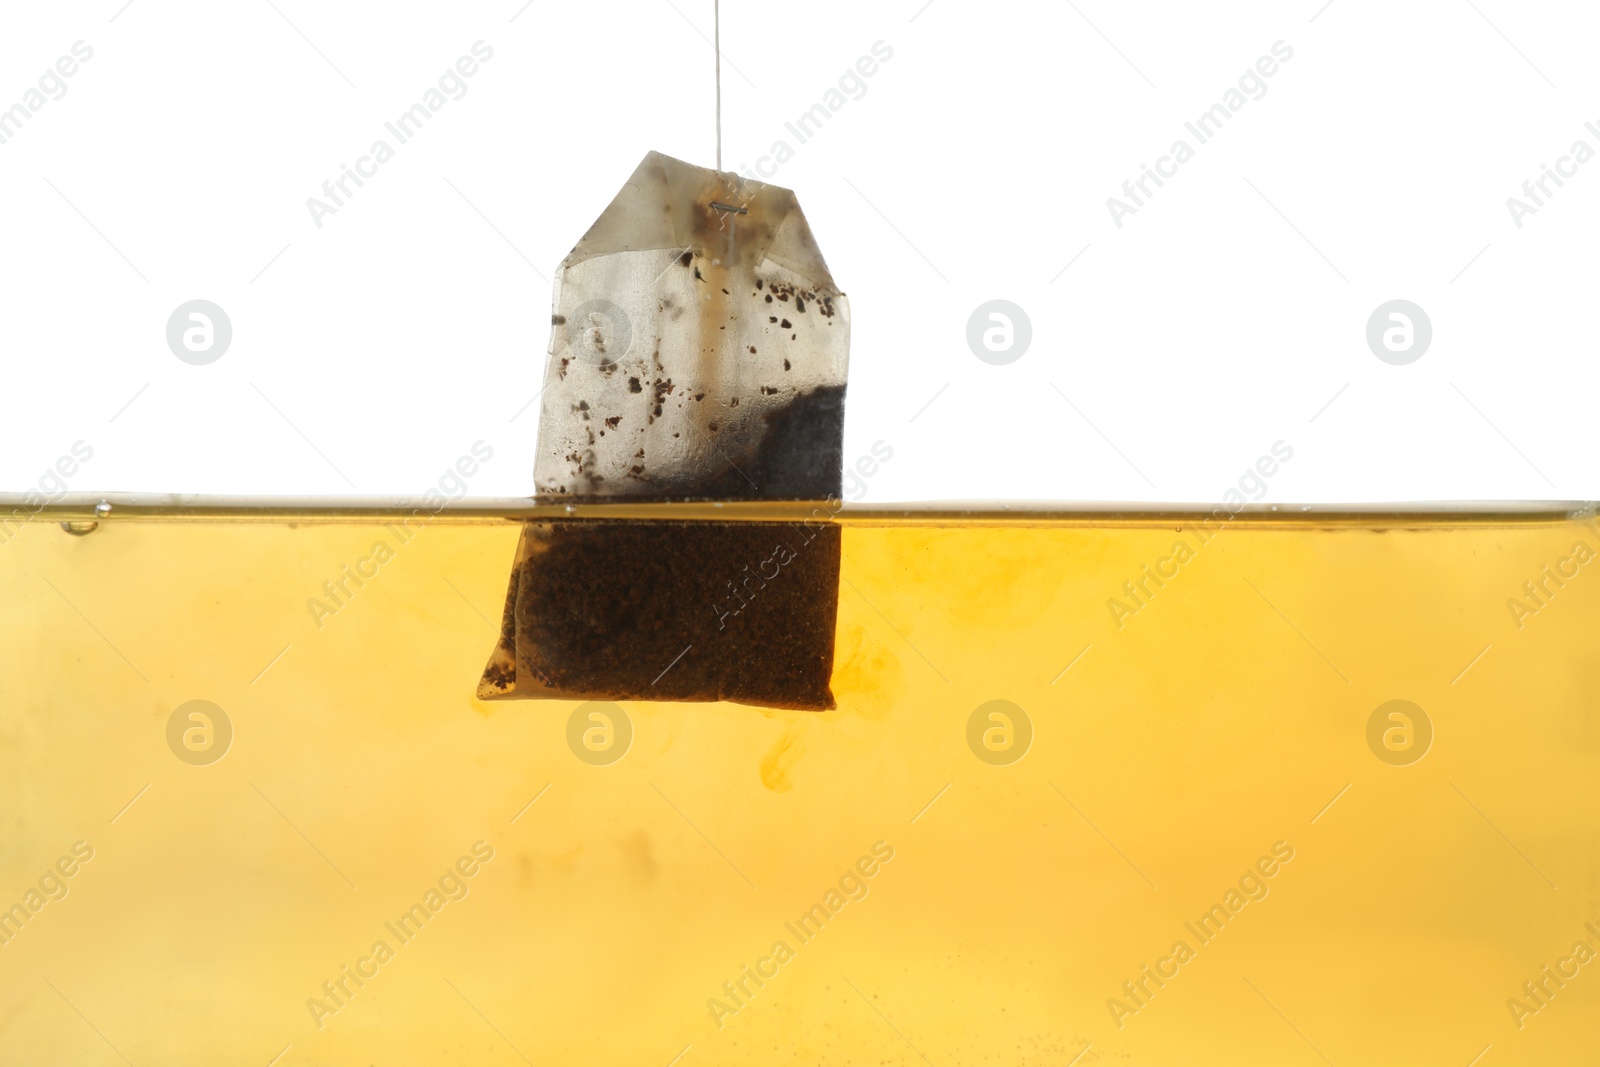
1227	314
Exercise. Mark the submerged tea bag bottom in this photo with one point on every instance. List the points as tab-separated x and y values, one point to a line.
619	610
697	611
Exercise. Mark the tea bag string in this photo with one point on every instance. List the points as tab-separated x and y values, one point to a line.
716	9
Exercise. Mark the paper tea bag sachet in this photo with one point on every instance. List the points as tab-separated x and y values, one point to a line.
698	351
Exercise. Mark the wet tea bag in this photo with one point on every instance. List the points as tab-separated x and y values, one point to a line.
698	351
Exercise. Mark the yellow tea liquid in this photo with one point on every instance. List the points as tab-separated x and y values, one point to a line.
1100	789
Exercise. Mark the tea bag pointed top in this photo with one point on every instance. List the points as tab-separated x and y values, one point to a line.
699	347
667	203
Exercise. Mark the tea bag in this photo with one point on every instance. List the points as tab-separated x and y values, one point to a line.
698	351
